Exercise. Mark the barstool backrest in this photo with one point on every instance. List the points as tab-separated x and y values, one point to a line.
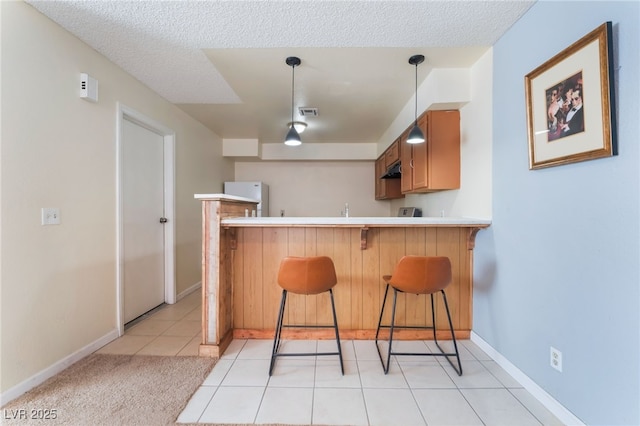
421	274
307	275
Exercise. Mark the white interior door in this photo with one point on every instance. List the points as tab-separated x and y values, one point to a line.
142	211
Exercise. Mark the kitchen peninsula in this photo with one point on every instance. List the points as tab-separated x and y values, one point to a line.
241	256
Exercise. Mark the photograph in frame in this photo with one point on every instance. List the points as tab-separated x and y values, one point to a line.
569	99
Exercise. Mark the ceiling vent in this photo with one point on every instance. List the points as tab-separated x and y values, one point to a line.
308	112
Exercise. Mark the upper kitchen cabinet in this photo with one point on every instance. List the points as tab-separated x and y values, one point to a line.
392	154
435	164
388	188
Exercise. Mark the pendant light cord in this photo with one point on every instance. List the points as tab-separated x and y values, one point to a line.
415	114
293	79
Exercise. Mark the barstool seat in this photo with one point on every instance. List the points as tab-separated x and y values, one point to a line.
306	276
419	275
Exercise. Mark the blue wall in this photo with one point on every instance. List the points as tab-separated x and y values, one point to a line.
560	264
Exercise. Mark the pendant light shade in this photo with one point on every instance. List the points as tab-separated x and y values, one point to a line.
293	137
416	135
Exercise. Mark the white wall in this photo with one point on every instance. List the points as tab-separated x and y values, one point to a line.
308	188
474	196
560	264
472	95
59	282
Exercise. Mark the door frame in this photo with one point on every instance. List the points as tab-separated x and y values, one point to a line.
168	136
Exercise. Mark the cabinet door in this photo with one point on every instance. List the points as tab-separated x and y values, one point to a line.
379	170
406	154
444	150
421	157
392	154
436	163
386	189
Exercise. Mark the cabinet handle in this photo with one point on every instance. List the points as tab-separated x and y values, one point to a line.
411	163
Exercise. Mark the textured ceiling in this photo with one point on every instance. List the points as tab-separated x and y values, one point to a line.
223	61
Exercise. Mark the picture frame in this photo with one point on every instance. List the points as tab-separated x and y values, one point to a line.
570	103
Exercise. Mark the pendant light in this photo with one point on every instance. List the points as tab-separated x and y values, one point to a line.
293	137
299	125
416	135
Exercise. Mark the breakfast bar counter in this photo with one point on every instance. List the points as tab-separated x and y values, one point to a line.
352	222
241	257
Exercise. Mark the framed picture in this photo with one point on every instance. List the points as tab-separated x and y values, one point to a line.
570	103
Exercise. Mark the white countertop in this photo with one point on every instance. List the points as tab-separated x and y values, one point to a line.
340	221
223	197
356	221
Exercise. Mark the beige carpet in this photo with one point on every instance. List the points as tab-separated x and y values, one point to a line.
113	390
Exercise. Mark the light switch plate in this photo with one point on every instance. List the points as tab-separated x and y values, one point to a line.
50	216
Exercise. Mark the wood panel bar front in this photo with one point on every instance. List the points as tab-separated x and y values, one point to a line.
360	287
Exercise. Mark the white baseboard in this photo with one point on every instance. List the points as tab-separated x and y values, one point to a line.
551	404
35	380
190	290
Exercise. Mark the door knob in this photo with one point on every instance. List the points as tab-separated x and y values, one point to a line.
164	220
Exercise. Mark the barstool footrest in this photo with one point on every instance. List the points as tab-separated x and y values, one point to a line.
307	354
407	327
423	354
307	326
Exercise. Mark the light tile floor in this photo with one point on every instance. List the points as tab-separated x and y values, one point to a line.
311	390
173	330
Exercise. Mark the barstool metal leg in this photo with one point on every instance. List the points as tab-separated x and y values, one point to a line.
433	319
393	323
278	332
453	337
384	302
335	327
385	366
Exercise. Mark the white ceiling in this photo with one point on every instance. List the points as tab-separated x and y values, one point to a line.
223	62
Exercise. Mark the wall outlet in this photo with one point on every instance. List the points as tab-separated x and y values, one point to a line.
50	216
555	359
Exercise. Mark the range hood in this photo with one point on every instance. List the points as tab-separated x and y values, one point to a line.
392	172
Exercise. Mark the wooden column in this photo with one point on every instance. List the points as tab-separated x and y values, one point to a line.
217	284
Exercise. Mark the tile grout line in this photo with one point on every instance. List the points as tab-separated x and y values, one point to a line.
460	389
503	387
364	400
313	389
525	407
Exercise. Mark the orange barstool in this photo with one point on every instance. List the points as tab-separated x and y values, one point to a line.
419	275
308	276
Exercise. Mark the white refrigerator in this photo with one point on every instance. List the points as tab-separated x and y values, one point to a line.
255	190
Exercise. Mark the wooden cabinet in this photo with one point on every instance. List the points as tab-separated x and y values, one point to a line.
392	154
379	170
426	167
406	163
434	165
386	189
